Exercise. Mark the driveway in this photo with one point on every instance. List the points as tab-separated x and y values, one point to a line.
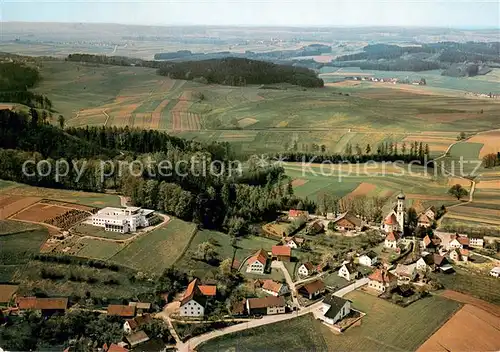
289	281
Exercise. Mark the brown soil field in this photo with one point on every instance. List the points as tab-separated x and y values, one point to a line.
491	141
299	182
457	180
190	121
362	190
156	115
470	329
40	212
124	115
463	298
67	205
9	205
427	197
492	184
484	212
472	218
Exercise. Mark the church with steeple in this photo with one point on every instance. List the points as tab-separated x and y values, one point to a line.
395	220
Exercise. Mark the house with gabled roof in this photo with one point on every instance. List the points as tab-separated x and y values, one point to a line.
257	263
295	213
293	241
368	259
430	213
405	273
195	298
424	221
459	255
348	271
392	240
306	269
132	324
281	253
136	338
315	227
266	305
47	306
382	280
312	289
121	310
334	309
274	288
391	223
347	222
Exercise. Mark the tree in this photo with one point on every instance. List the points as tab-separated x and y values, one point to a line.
225	267
206	251
458	191
461	136
491	160
412	218
368	149
61	121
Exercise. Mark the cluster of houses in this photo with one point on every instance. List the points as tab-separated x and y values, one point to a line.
421	82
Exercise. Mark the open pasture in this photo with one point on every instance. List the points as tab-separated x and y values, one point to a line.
158	249
97	249
478	332
95	200
389	327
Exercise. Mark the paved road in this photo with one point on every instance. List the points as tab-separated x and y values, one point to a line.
191	344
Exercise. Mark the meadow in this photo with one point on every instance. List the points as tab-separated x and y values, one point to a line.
157	250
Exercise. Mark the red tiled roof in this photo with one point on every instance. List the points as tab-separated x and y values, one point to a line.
463	240
295	212
260	256
190	291
391	220
424	219
115	348
282	250
314	287
41	303
272	286
382	276
392	236
121	310
426	240
208	290
270	301
464	252
138	321
309	266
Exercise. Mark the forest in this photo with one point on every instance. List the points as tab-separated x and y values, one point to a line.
15	81
226	71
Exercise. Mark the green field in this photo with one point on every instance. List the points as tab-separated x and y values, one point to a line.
18	243
97	200
479	285
300	334
90	230
157	250
96	249
5	184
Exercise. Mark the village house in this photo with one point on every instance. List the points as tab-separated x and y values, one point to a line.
281	253
334	309
114	348
121	310
136	338
495	272
405	273
424	221
195	298
459	255
430	244
430	213
348	271
306	269
312	289
238	307
131	325
382	280
458	242
294	214
315	227
368	259
274	288
391	240
266	306
257	263
477	242
47	306
391	224
347	222
141	307
293	242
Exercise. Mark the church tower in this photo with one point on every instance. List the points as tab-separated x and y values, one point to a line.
400	211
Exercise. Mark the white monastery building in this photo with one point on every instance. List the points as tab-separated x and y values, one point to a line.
122	220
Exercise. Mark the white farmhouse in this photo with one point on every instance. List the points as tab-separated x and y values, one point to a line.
306	269
122	220
368	259
257	263
495	272
194	300
348	271
334	309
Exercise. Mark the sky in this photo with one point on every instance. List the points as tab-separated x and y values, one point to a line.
428	13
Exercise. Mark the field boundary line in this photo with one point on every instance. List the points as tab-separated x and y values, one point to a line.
107	117
179	257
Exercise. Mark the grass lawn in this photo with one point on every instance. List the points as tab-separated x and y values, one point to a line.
298	334
5	184
10	226
90	230
96	249
479	285
388	327
157	250
16	249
